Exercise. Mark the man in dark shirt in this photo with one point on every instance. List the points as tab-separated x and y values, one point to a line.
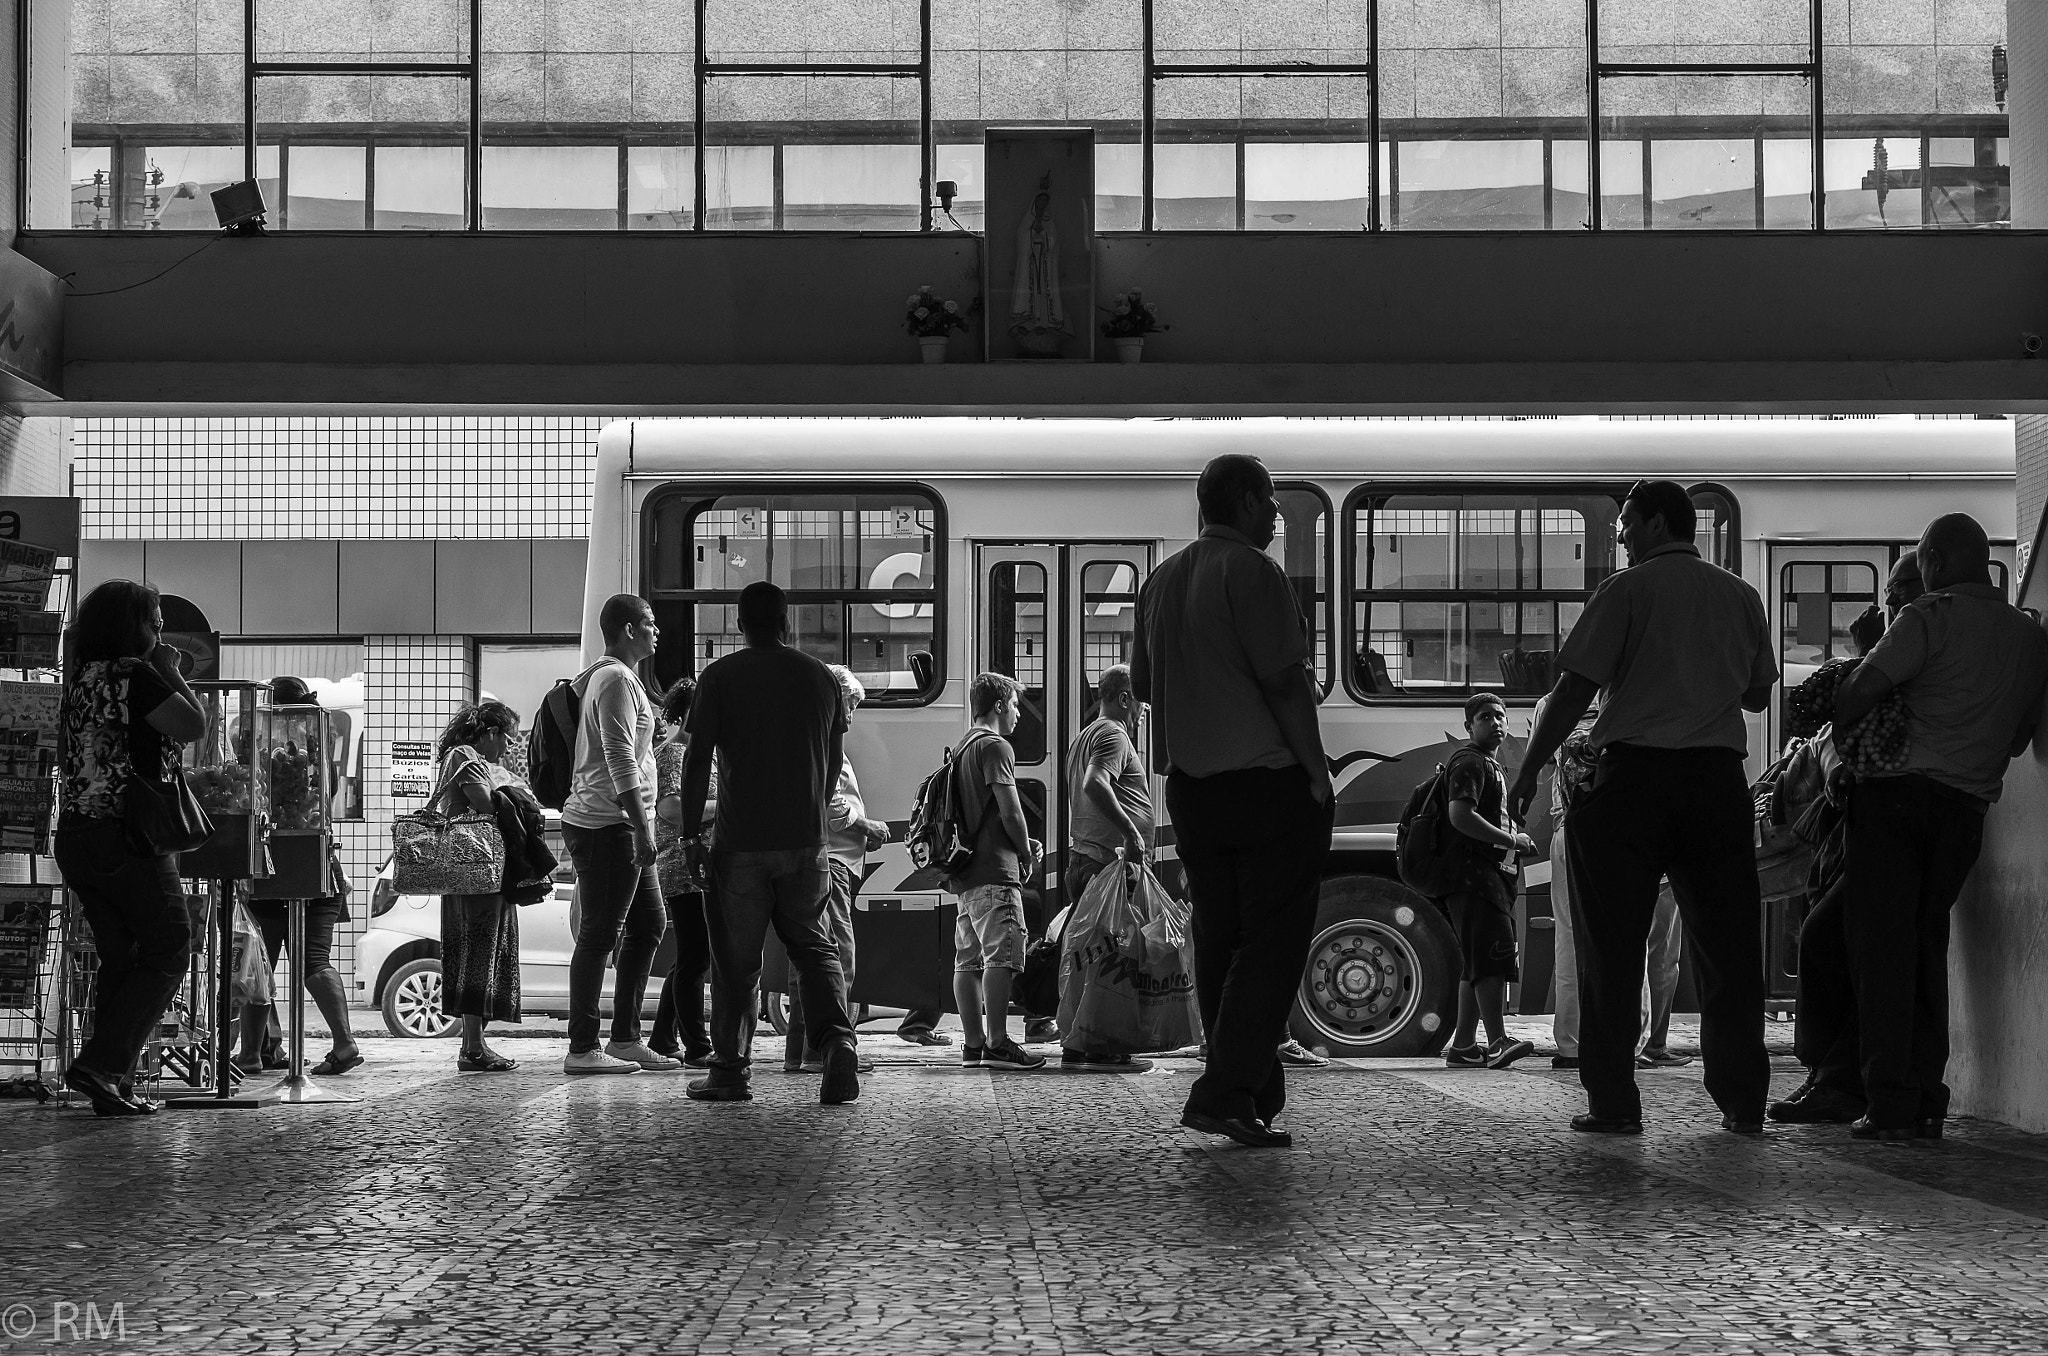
1483	906
773	716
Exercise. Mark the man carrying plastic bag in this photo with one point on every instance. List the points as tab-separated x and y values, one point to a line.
1127	971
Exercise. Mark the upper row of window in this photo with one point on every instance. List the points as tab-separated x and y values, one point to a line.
1445	593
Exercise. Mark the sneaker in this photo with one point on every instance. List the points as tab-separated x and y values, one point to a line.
1083	1062
636	1053
1662	1059
712	1090
973	1057
1471	1057
1506	1051
1293	1052
1010	1058
597	1062
1041	1031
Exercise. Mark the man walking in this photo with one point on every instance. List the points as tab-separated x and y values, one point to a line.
1676	649
1971	668
774	718
1221	655
608	827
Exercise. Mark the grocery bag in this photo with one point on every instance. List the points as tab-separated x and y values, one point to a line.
252	981
1128	968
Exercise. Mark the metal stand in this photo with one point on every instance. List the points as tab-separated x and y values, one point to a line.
223	1096
297	1088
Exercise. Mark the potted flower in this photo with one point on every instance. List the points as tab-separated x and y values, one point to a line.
1131	318
932	321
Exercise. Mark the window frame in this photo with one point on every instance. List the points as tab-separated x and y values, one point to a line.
707	491
1326	679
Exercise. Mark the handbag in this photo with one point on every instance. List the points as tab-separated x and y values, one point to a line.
158	821
443	854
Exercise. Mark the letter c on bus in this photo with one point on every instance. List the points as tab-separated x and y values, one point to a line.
892	572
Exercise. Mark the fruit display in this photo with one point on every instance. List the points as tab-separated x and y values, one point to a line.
294	779
222	790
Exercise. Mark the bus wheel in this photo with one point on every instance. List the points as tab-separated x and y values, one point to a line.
775	1007
1382	972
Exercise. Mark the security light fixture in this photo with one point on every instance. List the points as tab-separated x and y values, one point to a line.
947	191
239	207
1998	75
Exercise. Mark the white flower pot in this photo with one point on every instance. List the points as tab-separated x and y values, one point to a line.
933	347
1130	350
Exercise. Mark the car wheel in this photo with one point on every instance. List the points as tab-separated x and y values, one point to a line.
1382	972
775	1007
412	1002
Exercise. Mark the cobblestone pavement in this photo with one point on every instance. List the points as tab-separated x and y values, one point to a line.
1423	1210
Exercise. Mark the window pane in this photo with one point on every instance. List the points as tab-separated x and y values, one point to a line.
327	188
811	153
850	188
1621	184
1109	609
413	178
551	188
660	187
418	188
1471	185
1301	546
1304	135
1016	646
178	182
1410	543
878	543
1697	135
92	188
1818	603
1873	183
1307	186
1194	185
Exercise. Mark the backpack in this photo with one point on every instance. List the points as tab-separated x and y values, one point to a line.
1423	840
937	839
551	743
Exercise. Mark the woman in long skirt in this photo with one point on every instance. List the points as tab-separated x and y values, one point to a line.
479	933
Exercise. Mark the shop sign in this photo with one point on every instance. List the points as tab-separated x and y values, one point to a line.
412	770
46	520
24	936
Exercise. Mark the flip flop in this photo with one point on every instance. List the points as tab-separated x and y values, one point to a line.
328	1067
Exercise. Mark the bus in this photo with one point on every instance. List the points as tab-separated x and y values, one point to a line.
1430	559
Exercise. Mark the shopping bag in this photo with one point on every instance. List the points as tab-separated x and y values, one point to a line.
251	985
1129	977
1038	988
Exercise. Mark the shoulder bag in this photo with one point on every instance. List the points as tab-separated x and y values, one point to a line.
447	854
159	820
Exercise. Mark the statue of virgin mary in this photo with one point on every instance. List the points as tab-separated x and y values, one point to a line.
1038	321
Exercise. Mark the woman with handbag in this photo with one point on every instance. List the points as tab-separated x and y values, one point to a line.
479	932
124	816
679	1022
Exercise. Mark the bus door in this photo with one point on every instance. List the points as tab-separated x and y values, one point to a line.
1054	617
1815	591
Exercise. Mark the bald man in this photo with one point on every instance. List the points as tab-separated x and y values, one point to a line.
1971	668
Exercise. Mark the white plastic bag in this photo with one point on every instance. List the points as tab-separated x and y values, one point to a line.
1128	970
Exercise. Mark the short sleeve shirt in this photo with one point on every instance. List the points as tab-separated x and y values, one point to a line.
1214	621
108	738
770	711
1970	668
988	762
1476	776
1674	642
1106	745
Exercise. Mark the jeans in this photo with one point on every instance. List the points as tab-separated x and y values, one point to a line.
753	891
615	897
1912	843
1253	844
1685	814
839	917
135	907
1660	986
679	1020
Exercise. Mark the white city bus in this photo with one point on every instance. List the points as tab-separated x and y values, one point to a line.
1430	558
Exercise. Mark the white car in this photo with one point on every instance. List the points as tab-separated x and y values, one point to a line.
398	960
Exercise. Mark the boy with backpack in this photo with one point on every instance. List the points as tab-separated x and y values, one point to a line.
1481	850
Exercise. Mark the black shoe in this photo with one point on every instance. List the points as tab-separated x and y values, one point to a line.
706	1090
103	1092
1865	1128
1734	1125
1816	1106
925	1037
1928	1127
1607	1125
1661	1059
1250	1133
1471	1057
1564	1061
842	1076
150	1106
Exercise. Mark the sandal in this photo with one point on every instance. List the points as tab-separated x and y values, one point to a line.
333	1064
484	1061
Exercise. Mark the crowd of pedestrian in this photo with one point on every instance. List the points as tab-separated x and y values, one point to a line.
726	809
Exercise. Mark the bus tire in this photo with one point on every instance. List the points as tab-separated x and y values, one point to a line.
775	1007
1382	972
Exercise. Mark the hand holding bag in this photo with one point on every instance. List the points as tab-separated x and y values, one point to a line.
443	854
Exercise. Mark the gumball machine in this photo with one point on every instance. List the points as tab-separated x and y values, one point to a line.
293	748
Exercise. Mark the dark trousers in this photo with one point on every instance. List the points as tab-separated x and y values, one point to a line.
918	1022
1825	1037
1686	814
135	907
1912	842
754	891
1253	844
840	892
621	909
679	1020
1080	873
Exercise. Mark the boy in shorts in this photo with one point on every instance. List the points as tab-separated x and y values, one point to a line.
1482	905
989	939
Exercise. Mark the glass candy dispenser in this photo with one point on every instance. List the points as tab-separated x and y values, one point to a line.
294	755
233	787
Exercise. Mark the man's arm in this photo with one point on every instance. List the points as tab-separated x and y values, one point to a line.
1466	819
2024	736
1291	696
1860	693
1758	698
1561	713
1010	810
1099	792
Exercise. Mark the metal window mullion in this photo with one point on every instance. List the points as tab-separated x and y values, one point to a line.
473	145
1593	212
1173	68
248	89
702	81
1148	121
927	151
454	69
1372	116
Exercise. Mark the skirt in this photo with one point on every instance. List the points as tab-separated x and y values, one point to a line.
479	957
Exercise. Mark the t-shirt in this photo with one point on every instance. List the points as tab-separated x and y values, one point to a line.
1214	621
770	712
1674	642
108	737
1106	745
1970	668
614	749
987	762
1475	775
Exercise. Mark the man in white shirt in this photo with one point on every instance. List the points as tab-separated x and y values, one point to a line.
608	826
